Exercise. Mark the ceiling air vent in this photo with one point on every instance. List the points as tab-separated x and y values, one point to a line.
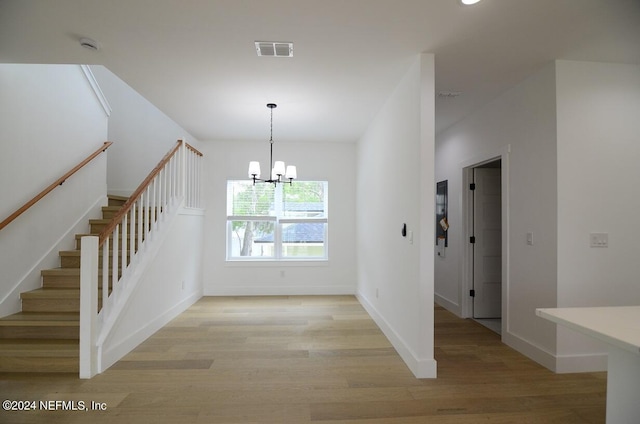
274	48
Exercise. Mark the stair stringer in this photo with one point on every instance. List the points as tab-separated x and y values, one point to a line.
109	348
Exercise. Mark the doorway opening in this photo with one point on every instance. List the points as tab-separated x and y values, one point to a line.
485	248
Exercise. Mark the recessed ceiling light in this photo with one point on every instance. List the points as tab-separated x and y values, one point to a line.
469	2
274	48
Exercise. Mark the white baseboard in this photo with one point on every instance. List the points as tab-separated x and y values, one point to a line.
558	364
279	290
421	368
449	305
530	350
581	363
116	352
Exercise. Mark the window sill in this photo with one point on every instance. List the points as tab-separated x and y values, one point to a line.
256	263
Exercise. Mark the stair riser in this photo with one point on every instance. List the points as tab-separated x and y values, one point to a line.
54	305
39	364
109	214
66	282
79	242
51	305
116	202
40	332
96	228
74	262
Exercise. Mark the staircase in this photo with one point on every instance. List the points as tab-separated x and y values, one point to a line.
44	337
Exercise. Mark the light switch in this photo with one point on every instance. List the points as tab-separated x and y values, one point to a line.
599	239
530	239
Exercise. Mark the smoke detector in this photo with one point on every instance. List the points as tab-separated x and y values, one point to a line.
89	43
274	48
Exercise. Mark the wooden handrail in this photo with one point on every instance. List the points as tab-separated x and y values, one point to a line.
193	149
58	182
131	201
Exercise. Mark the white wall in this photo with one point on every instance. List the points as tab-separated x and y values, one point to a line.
142	134
598	190
333	162
524	119
171	282
396	186
50	120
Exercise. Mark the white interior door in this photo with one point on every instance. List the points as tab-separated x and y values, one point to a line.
487	249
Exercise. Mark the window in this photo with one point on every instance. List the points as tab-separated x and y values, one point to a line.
283	222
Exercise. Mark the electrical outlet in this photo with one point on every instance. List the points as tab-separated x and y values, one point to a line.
183	285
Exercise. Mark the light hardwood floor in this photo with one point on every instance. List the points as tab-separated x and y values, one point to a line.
310	359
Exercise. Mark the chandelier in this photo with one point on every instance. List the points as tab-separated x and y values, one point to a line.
279	173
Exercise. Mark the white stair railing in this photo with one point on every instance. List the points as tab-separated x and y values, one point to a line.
173	183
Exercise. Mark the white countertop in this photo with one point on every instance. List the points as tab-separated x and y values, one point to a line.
616	325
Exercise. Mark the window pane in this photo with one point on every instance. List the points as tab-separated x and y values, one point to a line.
276	222
304	199
303	239
252	238
244	198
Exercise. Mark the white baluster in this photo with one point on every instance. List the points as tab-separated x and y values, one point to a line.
147	223
114	258
132	233
105	276
125	222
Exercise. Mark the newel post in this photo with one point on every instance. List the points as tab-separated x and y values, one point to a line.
88	305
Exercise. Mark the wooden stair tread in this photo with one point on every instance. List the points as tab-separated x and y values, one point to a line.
79	236
42	326
42	319
76	253
51	294
39	348
99	221
116	208
66	272
71	272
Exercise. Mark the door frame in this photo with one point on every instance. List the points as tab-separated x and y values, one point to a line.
466	269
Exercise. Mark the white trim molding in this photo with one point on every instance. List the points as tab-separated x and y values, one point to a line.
102	99
421	368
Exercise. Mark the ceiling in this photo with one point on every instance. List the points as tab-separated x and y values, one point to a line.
196	61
